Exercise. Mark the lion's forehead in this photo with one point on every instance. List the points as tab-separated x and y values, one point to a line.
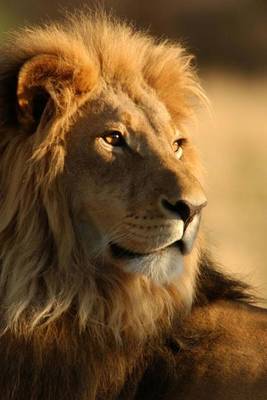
141	113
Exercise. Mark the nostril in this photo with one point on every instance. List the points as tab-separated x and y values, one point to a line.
182	208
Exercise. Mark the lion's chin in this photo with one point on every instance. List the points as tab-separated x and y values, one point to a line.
161	266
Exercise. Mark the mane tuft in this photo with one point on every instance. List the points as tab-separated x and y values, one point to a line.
213	284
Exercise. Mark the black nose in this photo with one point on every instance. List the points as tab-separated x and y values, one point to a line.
184	209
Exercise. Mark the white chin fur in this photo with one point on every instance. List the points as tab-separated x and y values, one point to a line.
162	267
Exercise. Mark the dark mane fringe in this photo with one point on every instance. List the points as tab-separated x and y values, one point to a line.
213	284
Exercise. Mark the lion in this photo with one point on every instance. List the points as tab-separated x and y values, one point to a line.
107	288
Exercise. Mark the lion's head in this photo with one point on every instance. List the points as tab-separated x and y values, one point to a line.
100	184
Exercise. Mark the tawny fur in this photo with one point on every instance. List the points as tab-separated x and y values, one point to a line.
34	212
72	329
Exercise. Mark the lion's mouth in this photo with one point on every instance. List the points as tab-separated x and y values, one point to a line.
184	245
122	253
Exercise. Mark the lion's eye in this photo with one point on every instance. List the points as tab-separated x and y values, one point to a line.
113	138
178	148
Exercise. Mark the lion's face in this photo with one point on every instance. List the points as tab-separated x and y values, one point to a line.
132	178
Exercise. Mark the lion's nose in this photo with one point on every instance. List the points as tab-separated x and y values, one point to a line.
183	208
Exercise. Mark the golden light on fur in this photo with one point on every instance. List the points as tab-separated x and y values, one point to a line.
43	269
100	256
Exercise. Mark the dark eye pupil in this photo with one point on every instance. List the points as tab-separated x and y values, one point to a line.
114	138
177	144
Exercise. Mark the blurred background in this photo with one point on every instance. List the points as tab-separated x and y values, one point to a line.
229	39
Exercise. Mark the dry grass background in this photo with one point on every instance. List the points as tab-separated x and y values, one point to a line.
233	147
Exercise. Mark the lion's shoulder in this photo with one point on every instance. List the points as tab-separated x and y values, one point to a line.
219	351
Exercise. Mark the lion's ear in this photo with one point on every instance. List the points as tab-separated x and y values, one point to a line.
48	79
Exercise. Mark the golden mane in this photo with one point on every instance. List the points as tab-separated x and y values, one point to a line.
44	272
72	327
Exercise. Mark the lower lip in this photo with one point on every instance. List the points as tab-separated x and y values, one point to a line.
119	252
